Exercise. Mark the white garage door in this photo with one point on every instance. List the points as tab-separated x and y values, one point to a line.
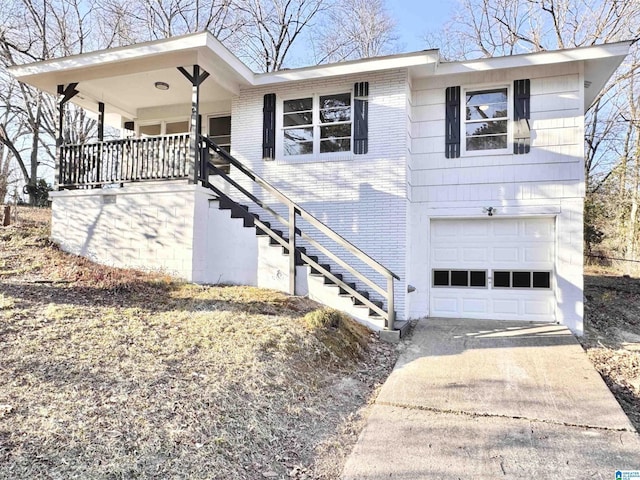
493	268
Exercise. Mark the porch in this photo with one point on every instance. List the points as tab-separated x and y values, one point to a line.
163	96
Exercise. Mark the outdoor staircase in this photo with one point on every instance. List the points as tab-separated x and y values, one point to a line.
363	299
321	271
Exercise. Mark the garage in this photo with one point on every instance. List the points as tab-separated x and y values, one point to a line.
493	268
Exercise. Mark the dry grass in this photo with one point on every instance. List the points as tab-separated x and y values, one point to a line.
612	335
110	374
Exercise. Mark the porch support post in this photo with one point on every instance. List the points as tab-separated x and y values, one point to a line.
98	165
292	249
100	122
391	312
196	78
65	93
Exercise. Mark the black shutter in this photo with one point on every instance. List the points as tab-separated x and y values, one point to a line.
521	116
361	118
452	123
269	126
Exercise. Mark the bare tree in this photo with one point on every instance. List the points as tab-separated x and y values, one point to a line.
353	29
271	28
34	31
484	28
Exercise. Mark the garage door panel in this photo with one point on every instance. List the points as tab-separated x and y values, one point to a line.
509	245
506	229
472	254
539	228
474	306
505	254
537	307
445	306
475	230
445	255
445	230
537	255
506	307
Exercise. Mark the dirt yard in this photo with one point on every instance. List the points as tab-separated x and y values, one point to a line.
109	374
113	374
612	335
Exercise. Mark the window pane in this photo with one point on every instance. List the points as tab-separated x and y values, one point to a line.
150	129
298	105
335	108
219	126
521	279
335	101
335	145
486	128
335	138
333	131
294	119
177	127
541	280
459	279
335	115
502	279
298	141
486	104
493	142
478	279
441	278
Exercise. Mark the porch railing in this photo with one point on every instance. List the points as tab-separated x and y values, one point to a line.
120	161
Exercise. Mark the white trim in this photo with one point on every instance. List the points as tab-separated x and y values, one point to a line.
390	62
316	156
594	52
508	150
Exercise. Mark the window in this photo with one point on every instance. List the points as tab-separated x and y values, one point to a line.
486	119
164	128
317	124
460	278
177	127
150	130
220	131
519	279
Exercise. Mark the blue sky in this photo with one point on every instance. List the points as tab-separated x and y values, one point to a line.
416	17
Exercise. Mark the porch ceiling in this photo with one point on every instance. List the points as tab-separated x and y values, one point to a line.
123	78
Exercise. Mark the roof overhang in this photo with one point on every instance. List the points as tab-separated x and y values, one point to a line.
124	77
600	61
423	63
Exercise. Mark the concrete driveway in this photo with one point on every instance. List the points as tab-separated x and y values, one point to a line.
491	399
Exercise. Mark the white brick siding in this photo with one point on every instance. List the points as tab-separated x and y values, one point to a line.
362	197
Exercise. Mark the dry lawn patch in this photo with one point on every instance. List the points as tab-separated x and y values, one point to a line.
612	335
108	373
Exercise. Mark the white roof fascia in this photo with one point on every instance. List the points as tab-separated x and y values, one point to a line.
143	56
111	55
536	59
406	60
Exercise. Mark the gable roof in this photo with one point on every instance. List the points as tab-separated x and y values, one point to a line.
103	75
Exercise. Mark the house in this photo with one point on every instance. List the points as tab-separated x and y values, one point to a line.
405	186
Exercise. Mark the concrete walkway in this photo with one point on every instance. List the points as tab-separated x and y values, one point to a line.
489	399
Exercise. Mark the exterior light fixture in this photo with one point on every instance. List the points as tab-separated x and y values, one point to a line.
489	211
161	85
484	108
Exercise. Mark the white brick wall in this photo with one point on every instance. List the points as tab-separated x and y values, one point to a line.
149	227
362	197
